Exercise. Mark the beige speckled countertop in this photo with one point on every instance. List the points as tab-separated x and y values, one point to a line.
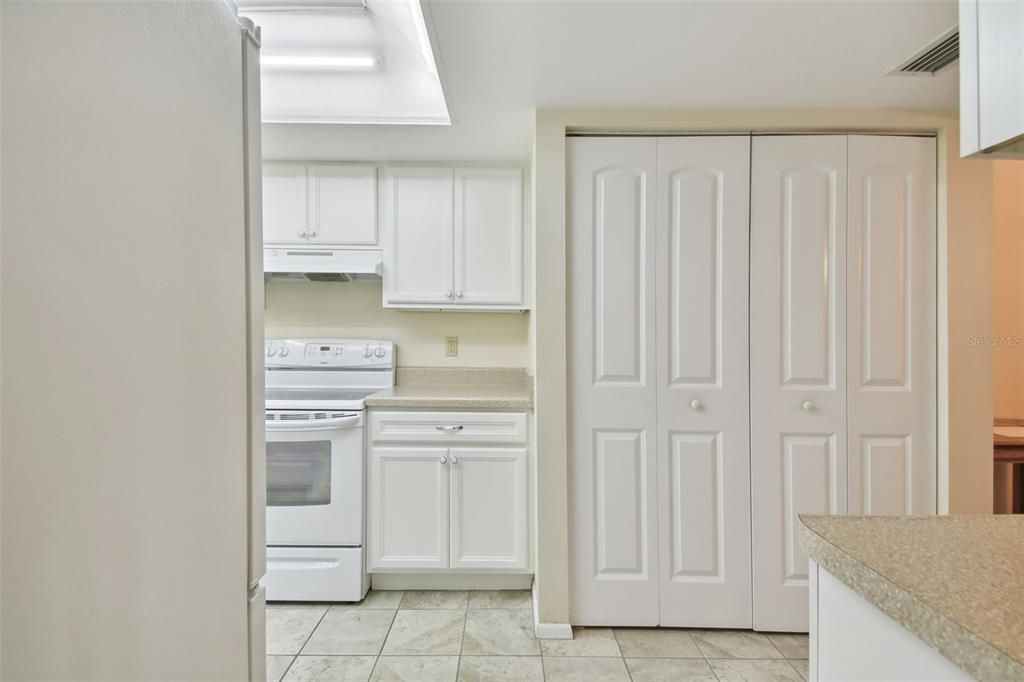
457	388
956	582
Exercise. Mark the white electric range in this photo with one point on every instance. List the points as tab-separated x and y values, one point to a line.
316	459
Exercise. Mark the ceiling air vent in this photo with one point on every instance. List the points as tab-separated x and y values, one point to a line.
936	56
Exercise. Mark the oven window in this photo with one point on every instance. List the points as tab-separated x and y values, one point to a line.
298	474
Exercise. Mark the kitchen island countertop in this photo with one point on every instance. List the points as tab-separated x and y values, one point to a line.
955	582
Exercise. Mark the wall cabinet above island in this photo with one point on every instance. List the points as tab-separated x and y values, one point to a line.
992	78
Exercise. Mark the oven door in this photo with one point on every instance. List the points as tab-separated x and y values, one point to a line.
314	478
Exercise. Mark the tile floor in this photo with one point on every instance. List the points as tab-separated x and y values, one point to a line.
425	636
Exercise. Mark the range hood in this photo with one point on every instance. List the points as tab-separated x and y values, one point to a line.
321	265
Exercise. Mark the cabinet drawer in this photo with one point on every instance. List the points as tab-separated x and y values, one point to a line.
447	427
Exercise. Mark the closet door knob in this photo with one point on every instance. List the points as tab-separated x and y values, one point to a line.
807	406
696	404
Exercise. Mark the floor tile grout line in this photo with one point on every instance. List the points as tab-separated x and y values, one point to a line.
304	643
462	640
380	652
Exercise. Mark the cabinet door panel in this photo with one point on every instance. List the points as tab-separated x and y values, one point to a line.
891	317
343	205
407	505
488	508
613	514
703	454
489	236
797	360
284	202
1000	71
417	236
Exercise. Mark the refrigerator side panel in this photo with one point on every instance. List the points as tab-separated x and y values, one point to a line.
254	321
125	488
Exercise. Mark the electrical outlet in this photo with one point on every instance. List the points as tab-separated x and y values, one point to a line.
451	346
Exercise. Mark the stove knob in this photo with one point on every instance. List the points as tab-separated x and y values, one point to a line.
367	352
380	352
283	352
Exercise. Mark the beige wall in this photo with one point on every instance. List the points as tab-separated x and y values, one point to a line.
964	296
1008	289
354	310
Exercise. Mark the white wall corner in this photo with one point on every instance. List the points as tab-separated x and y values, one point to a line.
548	630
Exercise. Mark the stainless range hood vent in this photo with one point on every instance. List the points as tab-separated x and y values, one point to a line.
936	56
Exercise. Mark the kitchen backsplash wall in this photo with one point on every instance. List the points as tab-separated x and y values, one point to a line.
354	310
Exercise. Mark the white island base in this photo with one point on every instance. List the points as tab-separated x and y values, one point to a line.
851	639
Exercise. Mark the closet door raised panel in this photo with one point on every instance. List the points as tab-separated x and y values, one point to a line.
703	381
407	508
488	508
612	389
417	236
489	236
891	317
285	219
343	205
797	360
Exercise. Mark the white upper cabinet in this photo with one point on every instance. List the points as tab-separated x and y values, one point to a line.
417	218
343	205
284	203
992	77
453	238
489	236
320	205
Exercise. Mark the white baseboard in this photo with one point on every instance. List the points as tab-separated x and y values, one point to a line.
451	581
548	630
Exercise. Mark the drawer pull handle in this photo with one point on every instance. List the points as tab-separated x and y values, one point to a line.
450	428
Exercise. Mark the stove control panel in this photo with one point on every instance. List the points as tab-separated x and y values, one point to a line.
335	353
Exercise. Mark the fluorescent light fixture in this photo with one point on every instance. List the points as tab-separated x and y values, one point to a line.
302	62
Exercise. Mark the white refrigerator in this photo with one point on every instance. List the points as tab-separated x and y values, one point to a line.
133	487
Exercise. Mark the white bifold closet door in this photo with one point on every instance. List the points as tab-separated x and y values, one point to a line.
611	384
842	344
891	305
659	465
703	381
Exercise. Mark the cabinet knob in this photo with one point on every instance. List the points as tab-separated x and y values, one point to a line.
696	404
302	233
444	460
312	233
448	293
458	293
807	406
455	460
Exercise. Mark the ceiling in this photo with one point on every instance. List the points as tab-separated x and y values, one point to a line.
396	78
499	59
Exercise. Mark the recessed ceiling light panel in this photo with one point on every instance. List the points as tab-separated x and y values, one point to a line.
311	62
324	63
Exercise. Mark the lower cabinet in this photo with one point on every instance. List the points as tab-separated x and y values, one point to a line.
444	504
408	507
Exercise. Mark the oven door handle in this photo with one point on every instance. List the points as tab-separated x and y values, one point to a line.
333	424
